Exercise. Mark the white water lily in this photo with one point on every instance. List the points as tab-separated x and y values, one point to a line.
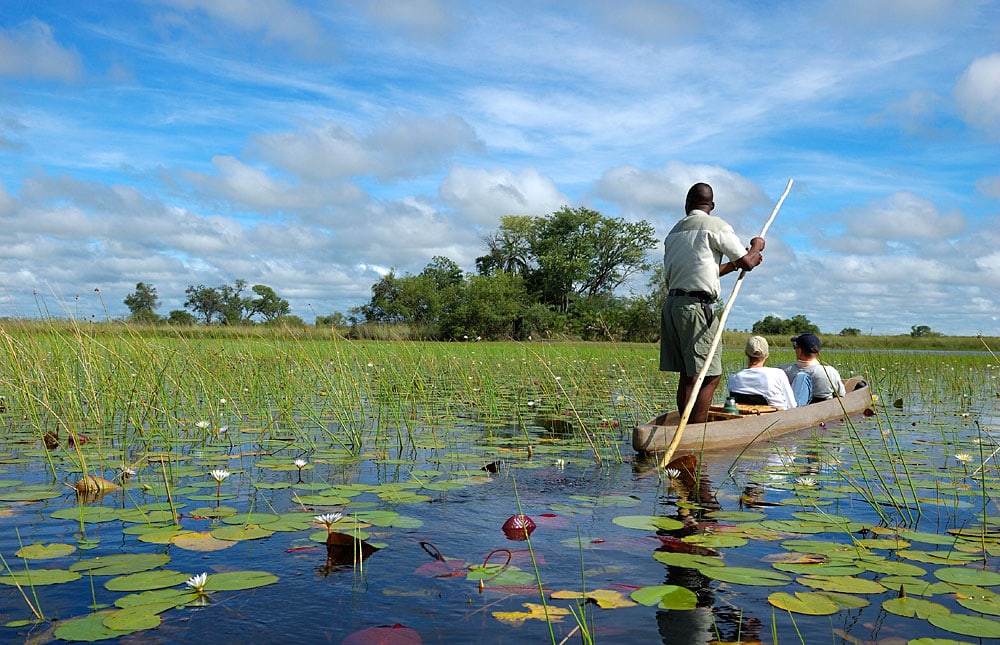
560	463
805	481
126	472
329	519
197	583
963	457
300	463
220	475
203	425
672	473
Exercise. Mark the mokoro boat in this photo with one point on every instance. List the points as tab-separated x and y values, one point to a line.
754	422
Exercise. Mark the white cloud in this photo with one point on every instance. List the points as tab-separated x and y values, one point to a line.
400	146
247	187
661	192
426	20
989	186
901	218
484	196
30	50
977	94
6	201
279	21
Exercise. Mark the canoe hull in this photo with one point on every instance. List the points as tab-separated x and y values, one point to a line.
656	435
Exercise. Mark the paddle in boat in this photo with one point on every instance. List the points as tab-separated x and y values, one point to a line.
724	431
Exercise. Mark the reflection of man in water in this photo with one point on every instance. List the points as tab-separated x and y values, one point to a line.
705	623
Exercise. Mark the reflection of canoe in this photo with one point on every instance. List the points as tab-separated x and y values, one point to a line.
732	431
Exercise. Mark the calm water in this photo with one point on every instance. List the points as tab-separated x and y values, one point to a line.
458	511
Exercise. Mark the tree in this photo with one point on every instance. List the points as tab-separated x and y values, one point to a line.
267	304
579	251
923	331
336	319
774	326
204	301
850	331
488	306
509	248
142	303
181	318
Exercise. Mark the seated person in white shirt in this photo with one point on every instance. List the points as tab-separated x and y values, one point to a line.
758	384
811	381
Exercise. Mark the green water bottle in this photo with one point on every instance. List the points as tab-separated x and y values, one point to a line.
730	406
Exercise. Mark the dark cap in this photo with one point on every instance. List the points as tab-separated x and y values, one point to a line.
808	342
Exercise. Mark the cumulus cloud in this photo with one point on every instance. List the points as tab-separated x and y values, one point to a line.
6	200
890	14
247	187
901	218
914	114
649	20
427	20
279	21
661	192
400	146
30	50
484	196
989	186
977	94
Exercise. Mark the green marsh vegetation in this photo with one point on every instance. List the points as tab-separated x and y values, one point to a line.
440	442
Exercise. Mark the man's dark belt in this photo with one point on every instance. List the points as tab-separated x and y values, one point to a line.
706	299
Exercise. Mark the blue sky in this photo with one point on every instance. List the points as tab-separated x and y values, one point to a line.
312	146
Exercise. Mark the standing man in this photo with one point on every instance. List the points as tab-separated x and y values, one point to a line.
692	264
811	381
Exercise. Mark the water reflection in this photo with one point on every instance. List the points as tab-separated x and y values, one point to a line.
691	495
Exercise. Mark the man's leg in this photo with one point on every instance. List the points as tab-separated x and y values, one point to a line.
802	386
703	400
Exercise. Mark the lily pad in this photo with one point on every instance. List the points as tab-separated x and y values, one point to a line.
202	541
983	604
967	625
236	580
174	597
716	541
134	619
239	533
603	598
40	551
535	612
687	560
648	522
89	628
914	607
39	577
146	580
746	576
804	602
121	564
842	584
968	576
666	597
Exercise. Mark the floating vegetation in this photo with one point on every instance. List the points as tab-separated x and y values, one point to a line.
226	482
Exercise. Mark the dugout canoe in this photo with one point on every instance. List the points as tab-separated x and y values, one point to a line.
755	422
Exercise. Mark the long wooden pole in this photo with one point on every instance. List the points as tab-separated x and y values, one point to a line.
682	422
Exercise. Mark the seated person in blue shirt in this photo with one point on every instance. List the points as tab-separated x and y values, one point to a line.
811	381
